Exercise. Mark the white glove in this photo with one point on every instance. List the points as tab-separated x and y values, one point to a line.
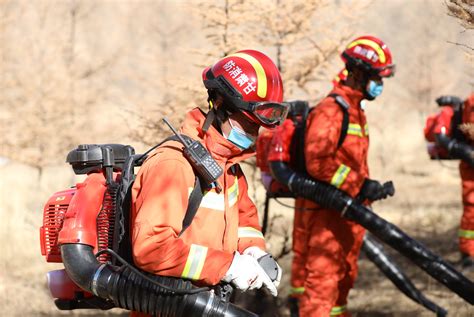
245	274
257	253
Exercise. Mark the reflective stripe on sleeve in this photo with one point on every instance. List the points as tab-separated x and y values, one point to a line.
466	234
337	310
354	129
249	232
234	193
366	129
340	176
195	262
296	290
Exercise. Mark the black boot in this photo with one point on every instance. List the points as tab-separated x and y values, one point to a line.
293	305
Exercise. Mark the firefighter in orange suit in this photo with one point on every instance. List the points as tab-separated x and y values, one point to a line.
224	239
325	245
466	231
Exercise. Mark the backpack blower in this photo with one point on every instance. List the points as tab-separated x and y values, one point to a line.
86	228
300	184
445	140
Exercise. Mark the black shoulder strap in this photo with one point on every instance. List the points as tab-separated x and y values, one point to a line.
194	201
122	239
196	195
345	119
302	111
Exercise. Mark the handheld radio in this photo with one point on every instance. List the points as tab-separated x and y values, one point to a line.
199	157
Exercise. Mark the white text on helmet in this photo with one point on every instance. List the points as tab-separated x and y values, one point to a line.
235	72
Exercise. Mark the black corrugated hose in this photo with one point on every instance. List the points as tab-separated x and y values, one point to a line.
131	289
330	197
375	252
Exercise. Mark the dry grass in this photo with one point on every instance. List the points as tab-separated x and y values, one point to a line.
468	130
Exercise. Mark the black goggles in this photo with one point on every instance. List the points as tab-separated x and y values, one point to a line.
387	71
269	113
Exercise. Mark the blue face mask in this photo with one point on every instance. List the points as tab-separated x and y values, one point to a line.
374	89
240	138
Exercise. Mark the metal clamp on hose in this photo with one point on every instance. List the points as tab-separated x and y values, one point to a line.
346	207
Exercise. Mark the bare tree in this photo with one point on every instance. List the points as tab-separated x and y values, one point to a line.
155	94
51	87
427	63
173	93
304	39
463	10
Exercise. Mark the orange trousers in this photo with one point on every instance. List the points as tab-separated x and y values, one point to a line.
466	230
326	248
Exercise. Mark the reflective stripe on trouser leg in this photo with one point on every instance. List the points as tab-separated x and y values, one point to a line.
296	291
466	234
338	310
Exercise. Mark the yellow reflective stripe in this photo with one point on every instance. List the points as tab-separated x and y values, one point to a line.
467	234
337	310
340	176
233	192
261	76
354	129
195	262
211	200
366	129
297	290
249	232
373	45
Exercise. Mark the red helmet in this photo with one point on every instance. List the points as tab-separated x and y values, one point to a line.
370	54
249	82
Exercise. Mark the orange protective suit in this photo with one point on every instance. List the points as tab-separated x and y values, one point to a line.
466	231
225	221
326	246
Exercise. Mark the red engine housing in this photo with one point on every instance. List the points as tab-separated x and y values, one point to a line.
435	124
84	214
53	219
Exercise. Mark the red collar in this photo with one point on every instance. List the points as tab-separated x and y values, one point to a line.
352	96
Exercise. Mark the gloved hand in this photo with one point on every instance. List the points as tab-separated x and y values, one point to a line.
373	190
267	262
245	274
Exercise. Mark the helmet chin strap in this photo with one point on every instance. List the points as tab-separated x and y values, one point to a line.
214	114
364	83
